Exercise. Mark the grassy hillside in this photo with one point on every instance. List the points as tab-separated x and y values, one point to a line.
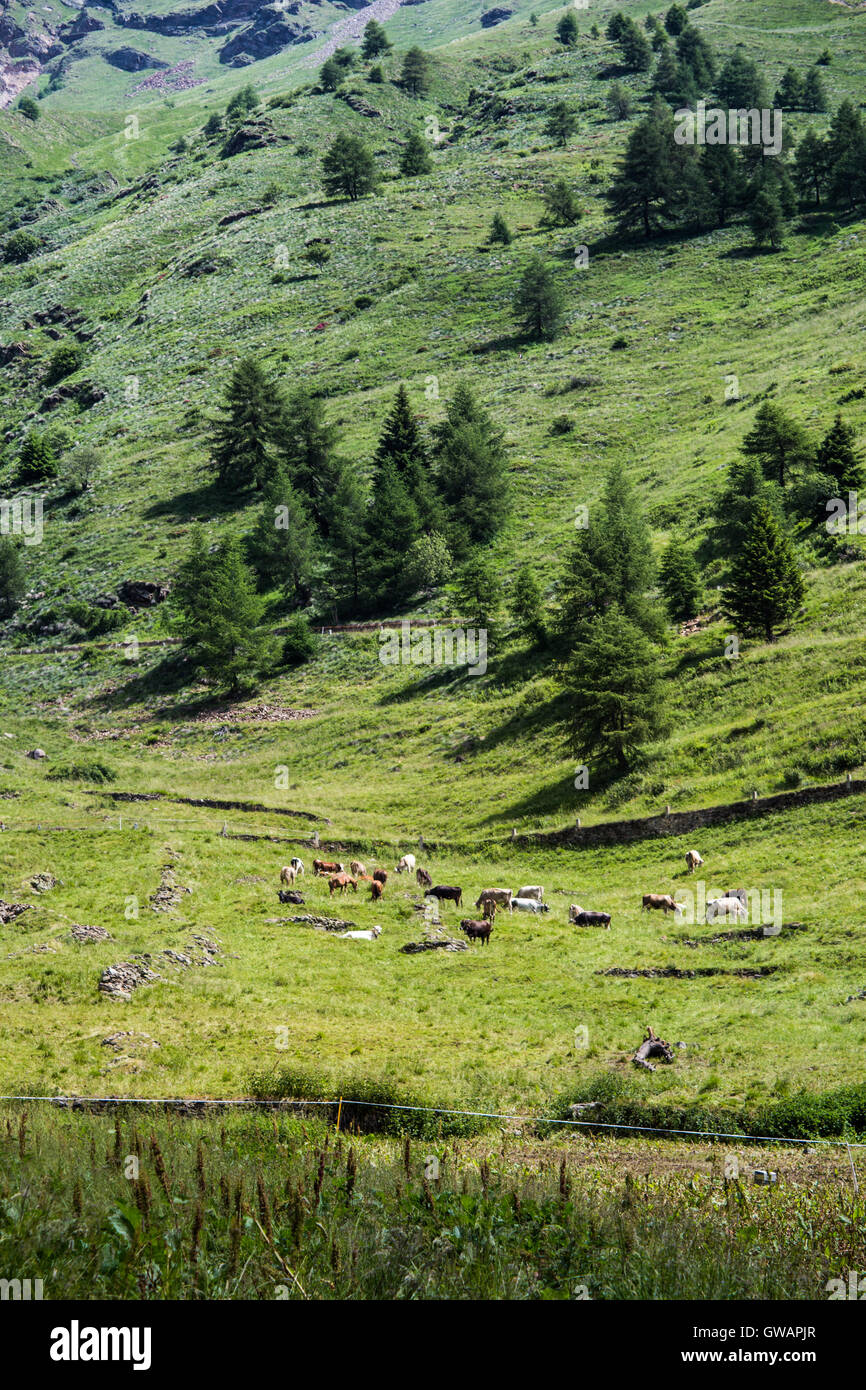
413	292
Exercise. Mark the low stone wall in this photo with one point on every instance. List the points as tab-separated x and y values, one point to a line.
622	832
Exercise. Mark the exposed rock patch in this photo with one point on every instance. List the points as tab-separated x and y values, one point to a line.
81	931
9	911
169	893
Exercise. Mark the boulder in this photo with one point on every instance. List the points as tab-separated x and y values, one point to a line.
132	60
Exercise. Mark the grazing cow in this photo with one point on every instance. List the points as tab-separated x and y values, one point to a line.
533	891
287	875
358	869
476	931
376	890
423	879
323	867
693	860
361	935
528	905
488	910
581	917
381	876
502	896
738	893
341	882
407	864
443	892
298	866
659	900
727	907
292	896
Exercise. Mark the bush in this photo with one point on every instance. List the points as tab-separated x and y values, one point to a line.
20	247
93	771
562	424
37	460
93	620
65	360
300	642
27	106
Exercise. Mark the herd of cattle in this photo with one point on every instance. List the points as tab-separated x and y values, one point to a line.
530	898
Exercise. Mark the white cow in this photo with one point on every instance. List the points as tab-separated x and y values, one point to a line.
533	891
693	860
407	864
528	905
297	865
362	935
727	907
287	875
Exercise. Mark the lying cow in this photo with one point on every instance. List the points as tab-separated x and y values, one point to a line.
445	893
664	901
423	879
693	860
292	896
727	907
358	869
298	866
361	935
407	864
528	905
502	896
583	917
476	931
323	867
533	891
287	875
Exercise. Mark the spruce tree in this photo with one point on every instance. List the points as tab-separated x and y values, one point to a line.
478	593
766	220
780	445
643	193
392	527
634	48
811	167
331	74
839	458
562	208
499	230
218	616
471	472
307	449
415	156
618	101
242	439
567	31
527	606
538	301
283	545
610	562
789	93
766	586
346	538
680	582
402	442
740	84
37	461
697	56
814	93
616	695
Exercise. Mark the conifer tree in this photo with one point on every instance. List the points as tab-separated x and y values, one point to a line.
780	445
643	193
348	168
839	458
538	301
376	42
527	606
567	31
218	616
307	449
415	156
616	694
283	545
471	472
680	582
561	123
243	438
766	586
415	72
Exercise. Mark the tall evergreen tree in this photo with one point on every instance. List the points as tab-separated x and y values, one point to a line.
697	56
780	445
616	693
392	526
766	220
307	449
527	606
766	586
13	578
471	471
610	562
561	123
789	93
283	545
218	616
680	582
243	438
347	528
839	458
415	72
415	156
740	84
376	42
538	301
567	31
811	167
846	155
643	193
814	92
403	444
673	81
478	593
634	48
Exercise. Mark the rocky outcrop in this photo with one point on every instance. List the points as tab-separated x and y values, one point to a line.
269	32
495	16
131	60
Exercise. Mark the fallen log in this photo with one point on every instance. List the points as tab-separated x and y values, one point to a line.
652	1047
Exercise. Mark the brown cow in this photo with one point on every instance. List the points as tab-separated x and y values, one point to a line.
338	881
442	891
376	890
323	867
488	910
423	878
664	901
476	931
381	876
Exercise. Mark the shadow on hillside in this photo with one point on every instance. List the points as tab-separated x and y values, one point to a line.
749	252
210	499
170	675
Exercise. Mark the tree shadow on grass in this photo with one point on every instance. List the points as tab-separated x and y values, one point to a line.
196	503
159	683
